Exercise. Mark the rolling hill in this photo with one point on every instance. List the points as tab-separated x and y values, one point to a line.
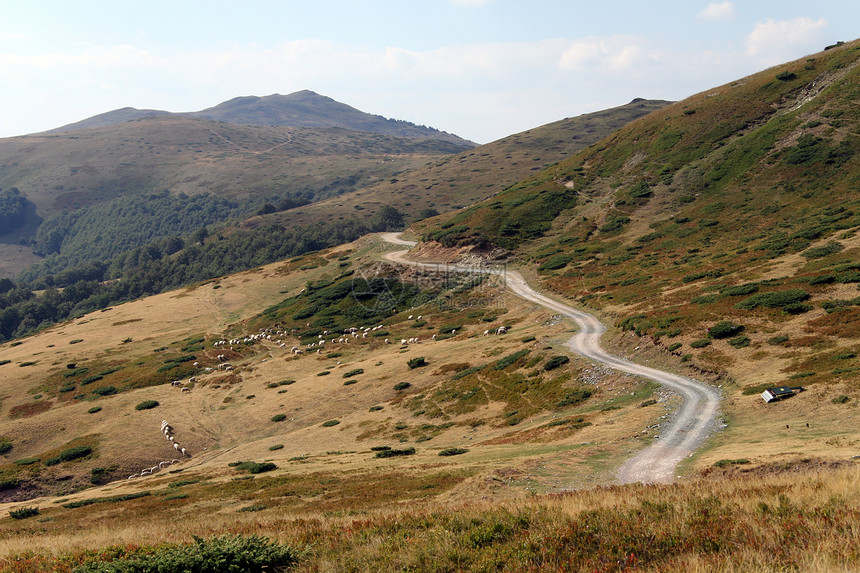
300	109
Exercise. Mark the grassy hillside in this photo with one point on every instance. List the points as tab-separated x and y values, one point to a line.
739	204
457	181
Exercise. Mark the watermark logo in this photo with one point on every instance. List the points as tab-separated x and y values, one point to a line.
383	288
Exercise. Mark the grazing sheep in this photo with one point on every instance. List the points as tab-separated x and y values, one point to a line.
145	473
132	476
176	446
434	337
387	341
192	379
502	330
486	333
186	389
184	453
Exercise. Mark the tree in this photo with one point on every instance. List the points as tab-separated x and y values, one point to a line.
387	219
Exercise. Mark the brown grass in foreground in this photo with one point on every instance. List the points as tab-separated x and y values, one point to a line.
781	522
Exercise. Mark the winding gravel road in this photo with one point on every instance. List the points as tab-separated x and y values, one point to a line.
686	431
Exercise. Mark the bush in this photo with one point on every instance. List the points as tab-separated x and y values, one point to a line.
5	447
27	461
416	362
740	341
392	453
69	455
24	512
350	382
701	343
510	359
330	423
820	252
105	391
355	372
778	299
225	553
777	340
574	397
254	467
724	329
453	451
555	362
786	76
147	405
674	346
402	386
279	417
841	399
94	409
276	447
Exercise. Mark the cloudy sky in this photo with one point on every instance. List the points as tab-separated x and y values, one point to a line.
482	69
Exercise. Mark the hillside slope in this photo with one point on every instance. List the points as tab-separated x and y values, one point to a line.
718	234
457	181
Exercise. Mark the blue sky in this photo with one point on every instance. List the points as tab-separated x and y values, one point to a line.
482	69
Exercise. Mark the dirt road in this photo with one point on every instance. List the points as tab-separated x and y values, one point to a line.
690	425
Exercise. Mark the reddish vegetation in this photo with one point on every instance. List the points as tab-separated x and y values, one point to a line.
27	410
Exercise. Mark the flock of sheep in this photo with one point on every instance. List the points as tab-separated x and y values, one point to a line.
167	430
273	336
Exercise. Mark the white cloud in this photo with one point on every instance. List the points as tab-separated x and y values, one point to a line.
718	11
773	41
614	53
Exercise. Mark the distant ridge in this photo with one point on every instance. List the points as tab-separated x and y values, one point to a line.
300	109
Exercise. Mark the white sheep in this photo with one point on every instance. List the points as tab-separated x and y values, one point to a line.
387	341
176	446
186	389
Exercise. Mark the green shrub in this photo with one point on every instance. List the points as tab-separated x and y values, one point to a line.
105	391
778	299
91	379
555	362
556	262
392	453
279	417
355	372
740	341
276	447
69	455
24	512
701	343
573	397
416	362
510	359
147	405
739	290
27	461
111	499
786	76
841	399
218	554
5	447
402	386
674	346
727	463
453	451
350	382
375	408
778	339
94	409
724	329
255	467
9	483
647	403
330	423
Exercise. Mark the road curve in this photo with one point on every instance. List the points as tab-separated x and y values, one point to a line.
688	429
